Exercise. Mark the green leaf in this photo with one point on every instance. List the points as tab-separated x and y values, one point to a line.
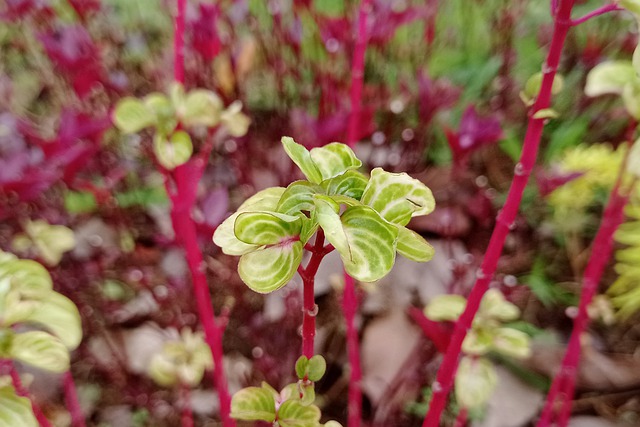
397	197
266	228
445	308
609	77
79	202
131	115
302	367
365	241
201	107
224	236
494	305
511	342
15	411
301	157
252	404
166	120
174	152
267	270
334	159
631	99
351	184
479	340
235	121
51	241
292	413
297	198
413	246
632	6
475	381
26	274
59	315
40	349
317	367
532	87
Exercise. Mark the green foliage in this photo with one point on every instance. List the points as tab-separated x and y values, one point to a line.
48	242
625	291
165	113
15	411
364	219
311	369
475	381
27	298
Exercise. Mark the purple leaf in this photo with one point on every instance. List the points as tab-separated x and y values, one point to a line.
204	37
548	181
434	95
474	132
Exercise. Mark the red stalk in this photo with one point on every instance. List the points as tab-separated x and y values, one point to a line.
461	419
349	299
563	385
310	309
183	197
444	379
7	365
71	400
600	11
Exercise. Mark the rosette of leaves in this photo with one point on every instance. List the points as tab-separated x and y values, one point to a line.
364	218
168	114
292	406
182	361
476	377
28	301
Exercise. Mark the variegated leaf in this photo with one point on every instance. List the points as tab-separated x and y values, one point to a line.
301	157
253	404
268	269
351	184
512	342
411	245
15	411
365	241
475	381
40	349
59	315
298	197
609	77
397	197
266	228
131	115
334	159
27	273
445	307
224	236
202	107
293	413
173	152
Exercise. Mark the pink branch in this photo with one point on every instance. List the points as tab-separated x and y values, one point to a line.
310	309
563	385
178	42
71	400
600	11
444	379
7	365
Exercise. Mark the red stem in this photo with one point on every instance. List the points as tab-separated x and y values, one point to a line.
71	400
444	379
563	385
186	418
461	419
432	330
7	365
430	27
600	11
178	42
310	309
350	307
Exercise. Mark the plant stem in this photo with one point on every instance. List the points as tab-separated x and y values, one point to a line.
563	385
310	309
444	379
71	401
7	365
432	330
178	42
349	298
600	11
461	418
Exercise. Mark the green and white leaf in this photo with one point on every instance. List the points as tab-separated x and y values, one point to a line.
40	349
445	308
266	228
351	184
397	197
27	274
609	77
235	121
365	241
512	342
479	340
301	157
202	107
224	236
15	411
475	382
494	305
632	6
51	241
298	197
131	115
59	315
293	413
334	159
253	404
413	246
173	152
268	269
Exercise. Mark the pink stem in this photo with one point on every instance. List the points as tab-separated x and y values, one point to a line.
186	418
461	419
7	365
600	11
310	309
563	385
444	379
432	330
349	300
178	42
71	400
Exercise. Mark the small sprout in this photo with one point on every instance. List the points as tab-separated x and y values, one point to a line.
235	121
131	115
532	87
311	369
445	308
173	152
